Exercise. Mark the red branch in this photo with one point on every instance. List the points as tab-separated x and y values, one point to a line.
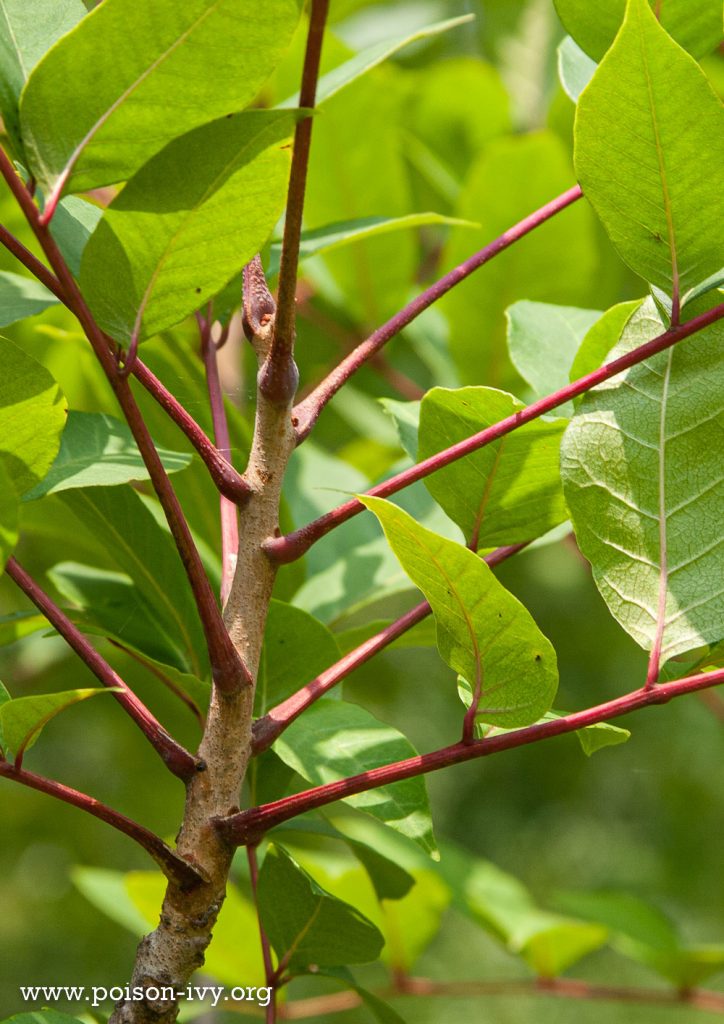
229	672
267	729
178	760
308	410
227	480
249	826
278	377
294	545
173	866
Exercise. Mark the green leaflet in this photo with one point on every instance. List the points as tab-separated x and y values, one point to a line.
99	451
81	129
333	739
550	943
601	338
27	29
634	137
21	297
32	417
8	516
555	263
335	236
297	647
505	493
186	222
484	633
142	549
23	719
641	467
694	24
310	926
543	341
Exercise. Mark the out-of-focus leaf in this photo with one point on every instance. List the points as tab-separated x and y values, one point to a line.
186	222
32	417
24	718
8	517
505	493
333	739
309	926
81	129
484	633
21	297
634	137
641	468
575	68
17	625
99	451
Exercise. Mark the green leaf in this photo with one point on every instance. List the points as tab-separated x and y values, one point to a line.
641	466
27	30
8	516
555	263
343	75
297	647
596	737
505	493
106	891
17	625
543	341
82	129
186	222
575	68
549	943
695	26
99	451
332	740
74	222
24	718
309	926
483	632
601	338
335	236
21	297
141	548
634	137
32	417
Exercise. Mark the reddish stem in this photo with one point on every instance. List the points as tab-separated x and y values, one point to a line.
278	378
178	760
227	509
308	410
294	545
173	866
227	480
266	730
228	670
249	826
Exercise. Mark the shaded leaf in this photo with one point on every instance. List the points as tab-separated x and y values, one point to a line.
23	718
82	129
310	926
21	297
74	222
187	222
575	68
332	740
641	466
634	137
32	417
483	632
99	451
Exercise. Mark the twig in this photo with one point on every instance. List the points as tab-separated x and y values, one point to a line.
173	866
278	377
271	1010
294	545
178	760
266	730
228	481
307	411
248	826
228	670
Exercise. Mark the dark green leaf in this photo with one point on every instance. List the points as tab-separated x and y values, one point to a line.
297	647
333	739
82	129
187	222
309	926
634	138
99	451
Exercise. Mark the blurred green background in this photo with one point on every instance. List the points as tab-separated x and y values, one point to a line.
473	124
